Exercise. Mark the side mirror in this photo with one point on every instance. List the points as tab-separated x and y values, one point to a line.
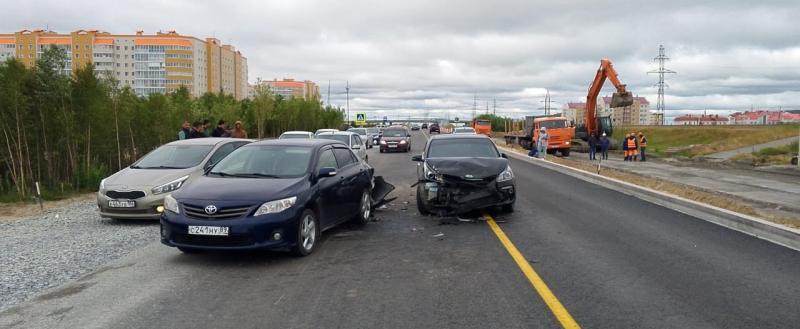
327	172
503	155
417	158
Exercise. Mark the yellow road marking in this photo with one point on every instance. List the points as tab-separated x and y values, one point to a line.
536	281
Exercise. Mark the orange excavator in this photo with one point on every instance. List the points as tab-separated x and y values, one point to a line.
596	125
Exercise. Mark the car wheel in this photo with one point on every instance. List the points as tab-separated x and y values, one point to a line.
380	150
189	250
565	152
307	234
364	208
421	207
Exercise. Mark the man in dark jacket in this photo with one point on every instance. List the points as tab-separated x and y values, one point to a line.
592	147
605	143
220	131
197	130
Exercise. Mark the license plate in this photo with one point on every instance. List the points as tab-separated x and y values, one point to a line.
392	146
121	204
208	230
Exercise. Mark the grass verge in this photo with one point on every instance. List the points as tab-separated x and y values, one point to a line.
685	191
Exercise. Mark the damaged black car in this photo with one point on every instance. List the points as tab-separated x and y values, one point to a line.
458	174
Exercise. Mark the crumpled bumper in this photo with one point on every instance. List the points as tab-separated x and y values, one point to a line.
449	198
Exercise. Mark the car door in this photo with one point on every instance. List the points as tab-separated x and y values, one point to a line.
361	151
350	171
331	201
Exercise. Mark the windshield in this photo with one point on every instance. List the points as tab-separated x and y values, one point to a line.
265	161
174	157
484	122
360	131
394	133
373	130
467	147
342	138
554	124
294	136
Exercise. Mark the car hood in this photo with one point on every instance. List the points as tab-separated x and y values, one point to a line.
217	188
146	177
468	168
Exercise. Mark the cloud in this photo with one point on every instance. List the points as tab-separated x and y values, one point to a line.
415	57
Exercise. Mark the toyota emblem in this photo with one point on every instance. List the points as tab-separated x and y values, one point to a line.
211	209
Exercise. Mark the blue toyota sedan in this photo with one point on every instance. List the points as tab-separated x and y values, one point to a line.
272	194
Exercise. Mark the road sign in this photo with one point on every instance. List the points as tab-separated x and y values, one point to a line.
361	119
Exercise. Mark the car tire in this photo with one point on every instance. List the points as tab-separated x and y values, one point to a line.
380	150
565	152
420	206
508	208
308	233
364	208
189	250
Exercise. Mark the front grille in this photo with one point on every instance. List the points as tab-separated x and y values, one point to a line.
130	195
223	213
213	241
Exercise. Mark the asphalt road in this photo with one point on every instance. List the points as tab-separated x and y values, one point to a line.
612	260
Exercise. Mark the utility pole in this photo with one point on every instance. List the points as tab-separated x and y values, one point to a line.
347	92
487	107
661	59
329	93
546	102
494	106
474	106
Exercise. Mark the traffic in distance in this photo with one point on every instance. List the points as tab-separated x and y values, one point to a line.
242	194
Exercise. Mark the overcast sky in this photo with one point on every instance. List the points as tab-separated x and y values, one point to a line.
431	57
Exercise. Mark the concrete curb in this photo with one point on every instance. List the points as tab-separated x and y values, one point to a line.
785	236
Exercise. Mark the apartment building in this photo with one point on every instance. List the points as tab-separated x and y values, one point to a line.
575	112
636	114
147	63
290	88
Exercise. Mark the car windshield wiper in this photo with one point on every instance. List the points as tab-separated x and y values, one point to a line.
159	167
244	175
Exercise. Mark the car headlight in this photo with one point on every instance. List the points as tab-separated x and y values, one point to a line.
274	207
103	184
506	175
431	175
383	142
171	204
171	186
402	142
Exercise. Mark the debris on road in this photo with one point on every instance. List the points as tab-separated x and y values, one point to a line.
438	235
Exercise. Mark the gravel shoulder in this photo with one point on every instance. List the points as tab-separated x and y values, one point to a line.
60	245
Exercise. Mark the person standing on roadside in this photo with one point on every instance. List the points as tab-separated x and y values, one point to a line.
605	143
630	146
592	147
625	152
642	146
220	131
197	130
185	130
238	131
206	130
542	143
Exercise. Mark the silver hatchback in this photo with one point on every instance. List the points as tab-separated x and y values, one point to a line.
138	191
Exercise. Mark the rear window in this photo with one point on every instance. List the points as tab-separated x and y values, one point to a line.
466	148
294	136
342	138
360	131
394	133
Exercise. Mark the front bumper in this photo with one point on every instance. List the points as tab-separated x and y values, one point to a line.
399	148
146	207
450	198
246	233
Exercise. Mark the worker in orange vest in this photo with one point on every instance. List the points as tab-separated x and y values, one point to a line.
642	145
630	142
